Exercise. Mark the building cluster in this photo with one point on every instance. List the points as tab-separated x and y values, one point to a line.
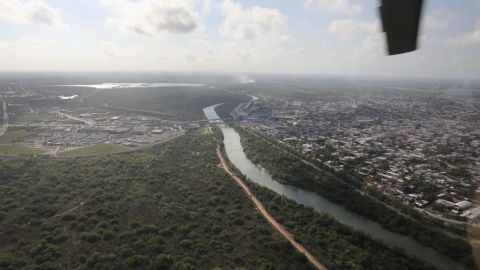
419	146
53	124
69	129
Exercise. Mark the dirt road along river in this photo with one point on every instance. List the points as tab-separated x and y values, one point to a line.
269	217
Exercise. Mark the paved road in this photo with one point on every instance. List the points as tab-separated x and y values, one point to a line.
4	127
126	151
87	122
269	218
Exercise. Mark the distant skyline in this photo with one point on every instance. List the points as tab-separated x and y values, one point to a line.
339	37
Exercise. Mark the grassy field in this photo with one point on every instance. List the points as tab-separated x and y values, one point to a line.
94	149
15	150
14	134
30	118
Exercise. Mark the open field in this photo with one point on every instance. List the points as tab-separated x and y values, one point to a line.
35	117
11	135
93	150
16	150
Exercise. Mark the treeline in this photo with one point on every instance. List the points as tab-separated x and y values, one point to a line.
337	245
170	207
351	177
454	228
292	170
182	103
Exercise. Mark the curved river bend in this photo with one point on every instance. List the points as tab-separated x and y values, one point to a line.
237	156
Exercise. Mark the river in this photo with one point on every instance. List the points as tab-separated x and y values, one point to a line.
237	156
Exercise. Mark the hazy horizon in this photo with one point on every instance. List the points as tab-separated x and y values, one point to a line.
340	37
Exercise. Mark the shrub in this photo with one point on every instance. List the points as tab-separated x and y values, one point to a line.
186	244
92	220
97	260
103	225
136	261
8	261
139	245
125	251
183	265
59	238
163	262
69	217
35	222
146	229
156	244
90	237
108	235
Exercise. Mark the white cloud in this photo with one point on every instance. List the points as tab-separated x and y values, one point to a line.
472	38
111	49
30	12
347	29
190	58
374	43
249	24
336	6
438	18
36	42
207	5
427	41
298	50
150	17
431	22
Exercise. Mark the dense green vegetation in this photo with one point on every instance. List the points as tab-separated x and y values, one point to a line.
19	150
181	103
14	134
168	207
335	244
94	150
340	188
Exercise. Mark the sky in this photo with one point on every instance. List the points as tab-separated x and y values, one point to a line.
274	36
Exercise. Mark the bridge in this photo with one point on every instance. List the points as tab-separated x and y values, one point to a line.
214	121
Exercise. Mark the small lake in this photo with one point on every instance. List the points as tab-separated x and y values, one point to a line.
133	85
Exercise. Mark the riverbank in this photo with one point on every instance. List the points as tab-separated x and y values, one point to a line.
336	245
288	236
394	249
293	171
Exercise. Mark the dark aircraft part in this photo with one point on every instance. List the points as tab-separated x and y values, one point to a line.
401	20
